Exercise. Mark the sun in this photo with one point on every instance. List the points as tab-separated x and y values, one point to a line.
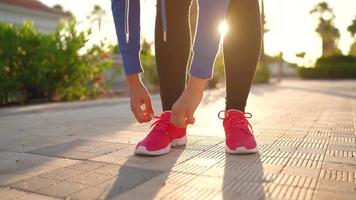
223	28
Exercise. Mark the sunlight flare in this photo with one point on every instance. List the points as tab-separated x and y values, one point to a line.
223	28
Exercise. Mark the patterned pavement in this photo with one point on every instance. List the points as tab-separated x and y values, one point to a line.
306	133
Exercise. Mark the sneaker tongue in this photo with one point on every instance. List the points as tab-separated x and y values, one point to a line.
166	114
234	112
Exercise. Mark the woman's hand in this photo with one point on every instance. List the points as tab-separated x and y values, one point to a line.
140	99
184	108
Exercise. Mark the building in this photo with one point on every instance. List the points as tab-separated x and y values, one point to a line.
43	17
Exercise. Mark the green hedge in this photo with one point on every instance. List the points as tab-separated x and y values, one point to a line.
50	67
333	67
263	73
218	73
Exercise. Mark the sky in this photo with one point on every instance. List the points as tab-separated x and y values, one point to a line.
292	28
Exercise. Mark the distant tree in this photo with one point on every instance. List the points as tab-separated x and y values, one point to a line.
58	7
149	64
301	55
97	15
326	28
146	48
264	31
352	30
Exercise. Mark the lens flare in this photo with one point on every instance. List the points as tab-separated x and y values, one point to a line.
223	28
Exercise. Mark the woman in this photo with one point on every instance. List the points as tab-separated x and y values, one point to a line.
173	48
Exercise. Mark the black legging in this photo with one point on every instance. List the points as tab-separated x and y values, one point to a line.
241	50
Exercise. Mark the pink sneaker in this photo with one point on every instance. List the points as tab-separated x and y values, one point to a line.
238	132
162	137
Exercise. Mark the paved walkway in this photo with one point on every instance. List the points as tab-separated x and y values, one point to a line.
305	131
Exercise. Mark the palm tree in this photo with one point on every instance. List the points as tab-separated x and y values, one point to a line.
326	28
352	30
97	15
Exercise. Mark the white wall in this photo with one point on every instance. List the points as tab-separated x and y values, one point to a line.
45	22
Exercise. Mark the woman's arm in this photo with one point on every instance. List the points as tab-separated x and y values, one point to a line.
126	15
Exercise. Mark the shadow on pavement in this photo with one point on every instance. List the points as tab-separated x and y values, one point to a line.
243	177
138	170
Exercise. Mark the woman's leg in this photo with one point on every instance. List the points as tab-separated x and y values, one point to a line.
242	46
172	55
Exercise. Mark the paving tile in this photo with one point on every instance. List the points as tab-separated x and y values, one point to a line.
242	190
17	166
109	169
282	161
34	170
61	190
305	163
277	154
276	191
9	178
91	193
339	175
86	165
61	174
325	195
158	186
79	149
340	159
34	184
162	163
11	194
195	165
339	186
299	171
128	178
233	166
311	150
296	181
187	192
339	166
283	148
116	156
342	147
341	153
91	179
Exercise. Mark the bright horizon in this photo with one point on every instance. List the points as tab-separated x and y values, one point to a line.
292	29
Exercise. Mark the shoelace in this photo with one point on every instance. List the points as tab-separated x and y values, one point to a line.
237	121
160	125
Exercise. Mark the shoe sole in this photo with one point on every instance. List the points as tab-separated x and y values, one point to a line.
241	150
141	150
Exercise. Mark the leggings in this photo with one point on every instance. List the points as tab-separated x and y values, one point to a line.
241	49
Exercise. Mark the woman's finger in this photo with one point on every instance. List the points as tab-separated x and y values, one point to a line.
136	110
190	117
149	110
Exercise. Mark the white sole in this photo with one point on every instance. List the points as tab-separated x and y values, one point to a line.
141	150
241	150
